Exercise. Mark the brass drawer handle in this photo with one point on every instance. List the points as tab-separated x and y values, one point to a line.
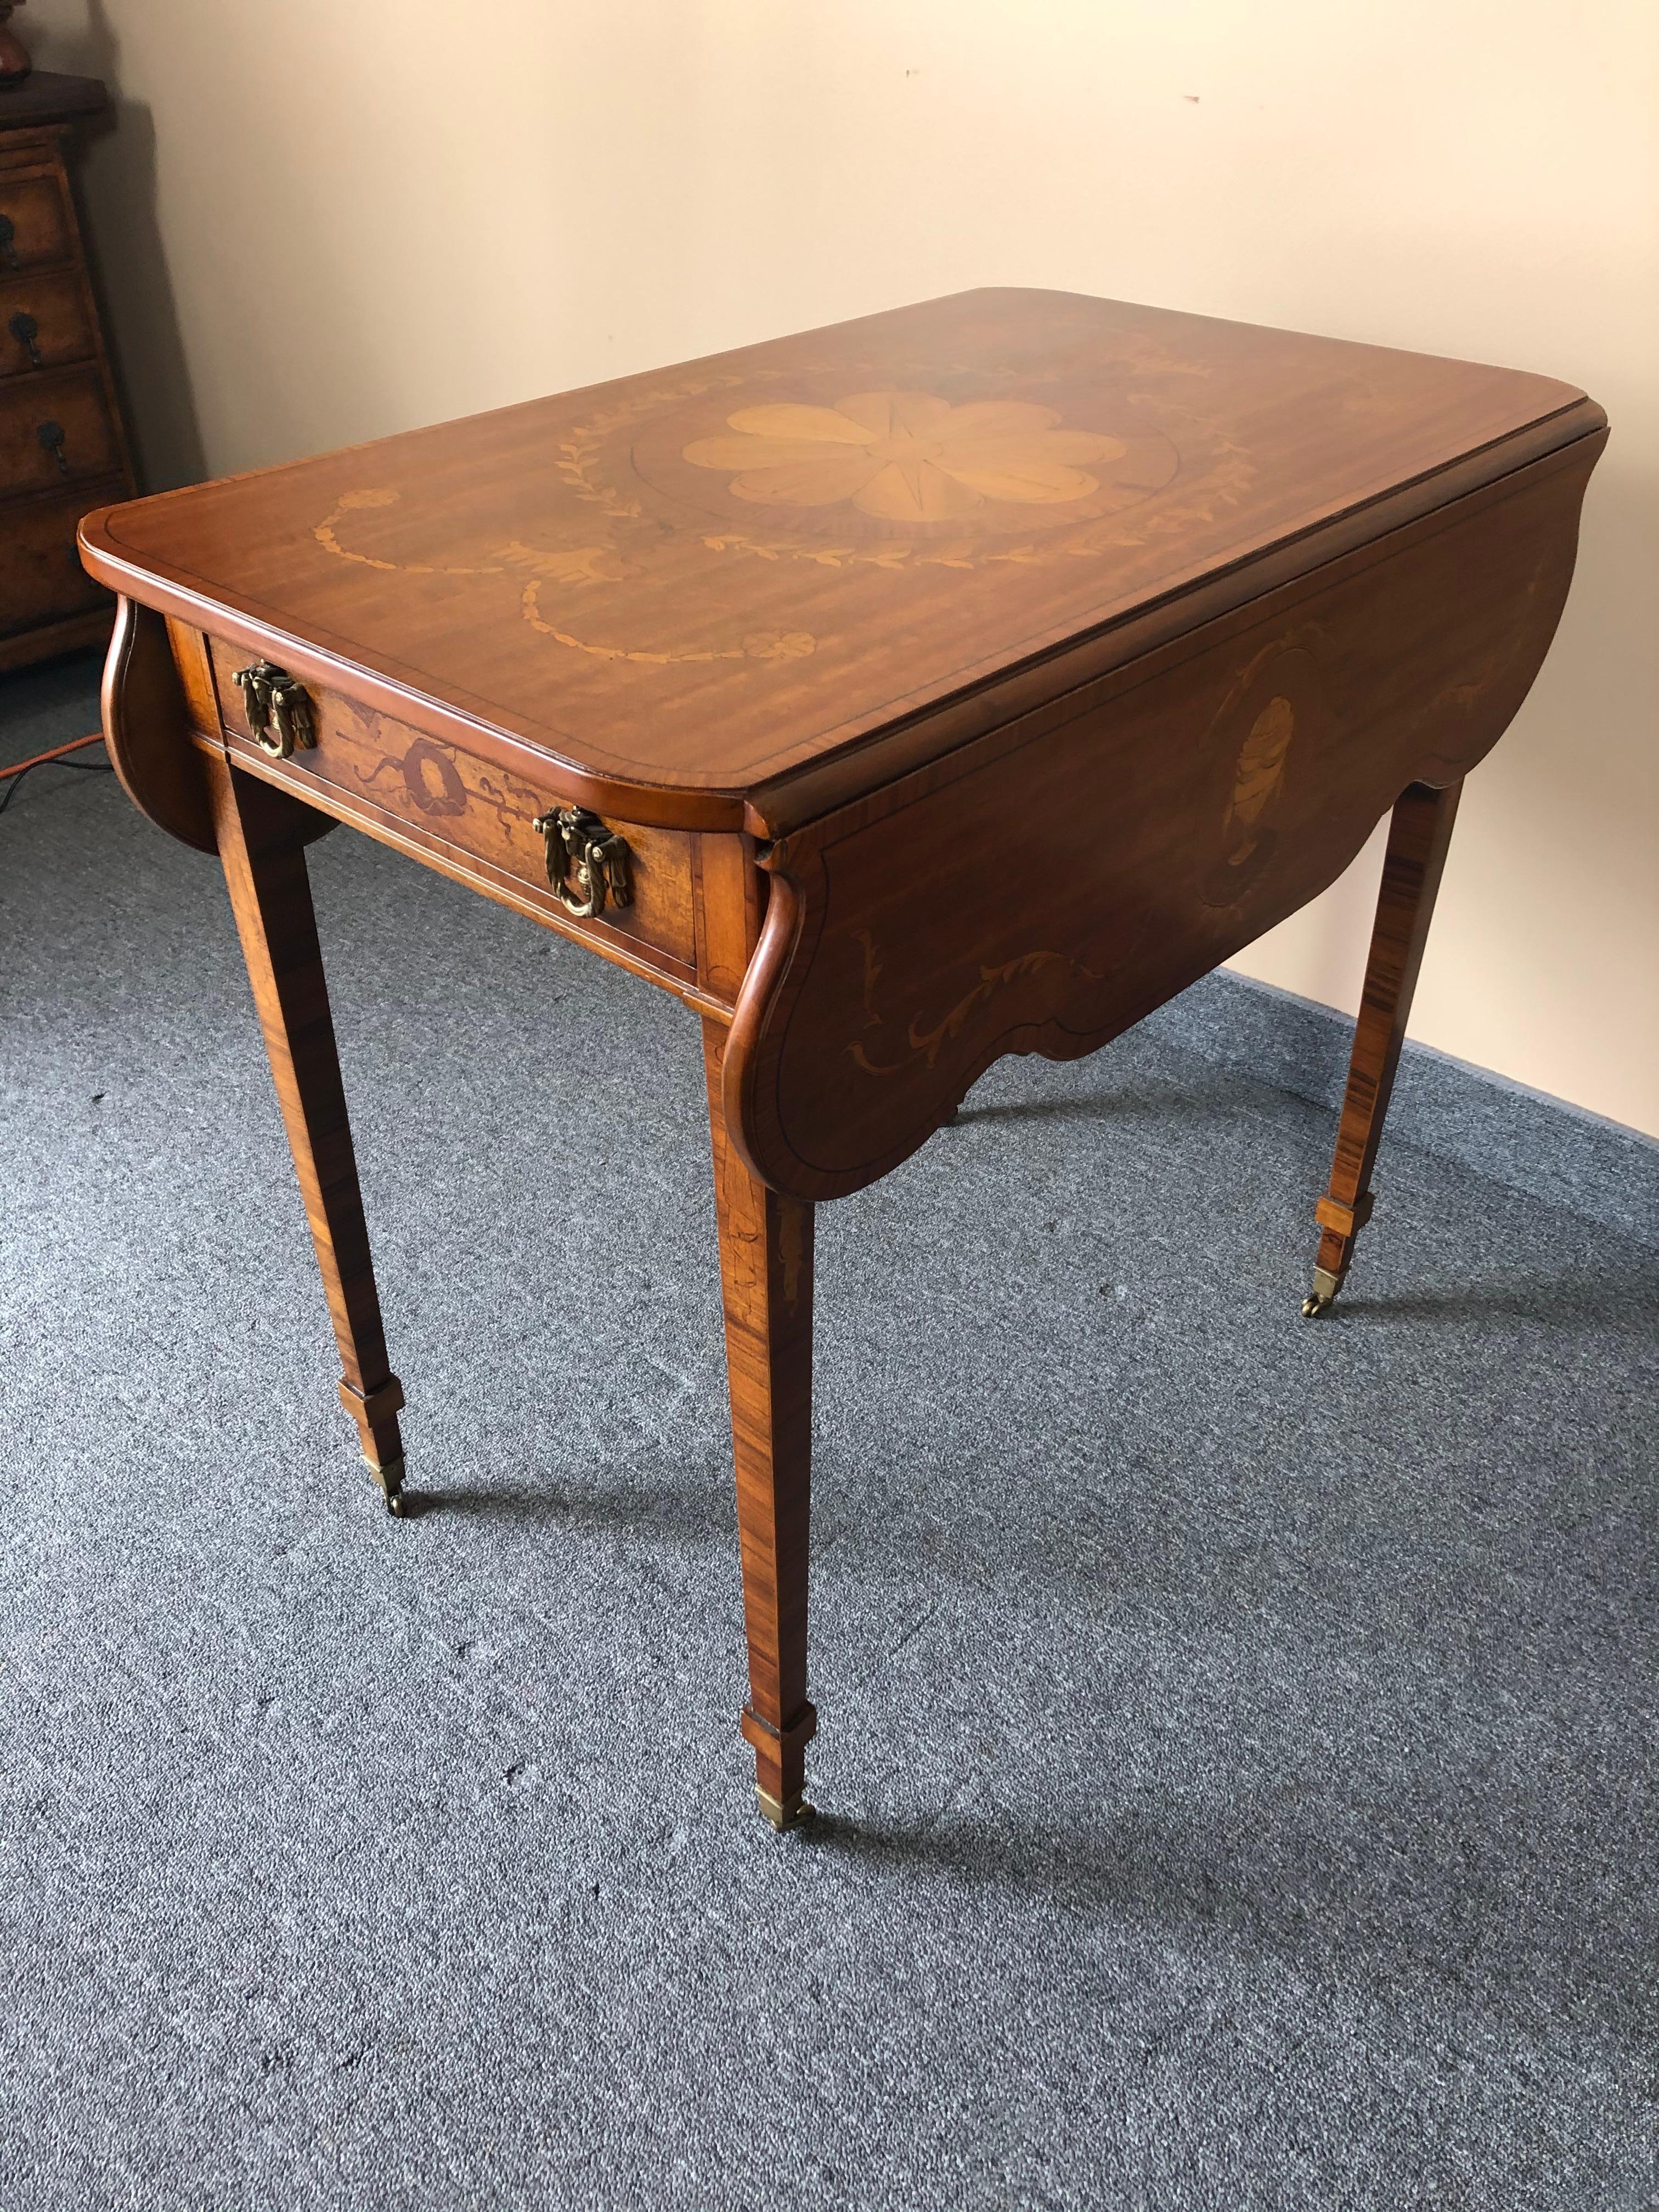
279	711
579	844
51	435
24	328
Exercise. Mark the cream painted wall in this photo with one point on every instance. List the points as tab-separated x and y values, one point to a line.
335	218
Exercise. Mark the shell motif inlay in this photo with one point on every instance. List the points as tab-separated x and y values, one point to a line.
1261	771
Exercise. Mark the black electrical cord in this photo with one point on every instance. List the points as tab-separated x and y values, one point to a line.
91	767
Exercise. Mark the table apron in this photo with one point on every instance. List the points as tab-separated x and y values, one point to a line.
170	695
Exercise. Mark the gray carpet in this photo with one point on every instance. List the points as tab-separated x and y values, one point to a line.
1236	1751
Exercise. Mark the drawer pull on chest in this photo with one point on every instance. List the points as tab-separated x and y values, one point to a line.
579	845
279	714
25	331
51	435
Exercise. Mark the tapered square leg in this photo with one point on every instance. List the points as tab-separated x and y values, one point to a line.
1418	836
261	834
766	1282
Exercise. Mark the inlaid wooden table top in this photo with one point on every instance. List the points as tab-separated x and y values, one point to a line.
698	589
964	681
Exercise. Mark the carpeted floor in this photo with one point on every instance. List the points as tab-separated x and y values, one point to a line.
1237	1746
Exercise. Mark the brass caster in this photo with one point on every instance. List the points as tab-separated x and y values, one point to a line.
1313	1305
389	1480
791	1812
1322	1297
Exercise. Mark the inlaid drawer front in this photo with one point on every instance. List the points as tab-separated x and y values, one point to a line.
55	429
34	224
43	324
637	880
42	578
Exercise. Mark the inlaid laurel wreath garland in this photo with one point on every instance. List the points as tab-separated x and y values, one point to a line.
886	479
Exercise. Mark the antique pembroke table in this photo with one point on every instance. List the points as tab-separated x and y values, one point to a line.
964	680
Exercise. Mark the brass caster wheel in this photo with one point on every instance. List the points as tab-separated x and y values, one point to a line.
389	1481
1313	1305
792	1812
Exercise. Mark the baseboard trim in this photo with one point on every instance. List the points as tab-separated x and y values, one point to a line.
1545	1146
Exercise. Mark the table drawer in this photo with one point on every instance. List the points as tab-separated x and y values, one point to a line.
43	324
443	796
42	578
55	428
35	227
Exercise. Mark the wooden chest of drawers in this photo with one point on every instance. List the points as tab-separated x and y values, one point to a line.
62	445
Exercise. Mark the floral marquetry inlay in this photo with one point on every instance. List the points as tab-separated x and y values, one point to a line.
886	474
907	456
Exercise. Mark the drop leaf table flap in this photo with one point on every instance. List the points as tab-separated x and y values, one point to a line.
962	680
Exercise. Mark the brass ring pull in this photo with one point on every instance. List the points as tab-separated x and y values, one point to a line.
279	712
579	847
24	328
